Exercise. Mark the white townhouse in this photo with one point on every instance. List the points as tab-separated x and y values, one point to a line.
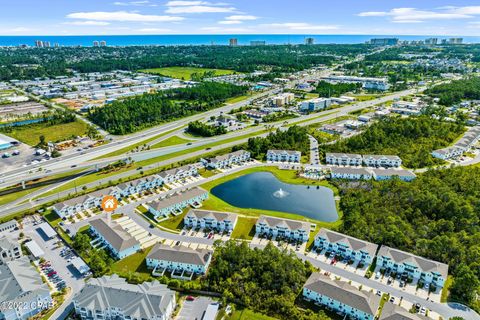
345	246
283	228
387	174
22	292
140	185
341	297
284	156
112	298
177	202
418	268
9	226
89	201
180	173
9	249
178	259
118	241
227	160
448	153
350	173
343	159
382	161
213	220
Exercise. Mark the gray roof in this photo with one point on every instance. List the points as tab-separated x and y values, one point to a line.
353	243
217	215
226	156
103	192
391	311
379	156
348	170
393	172
7	243
9	224
343	292
143	301
114	234
343	155
19	277
71	202
177	198
424	264
290	152
175	171
290	224
180	254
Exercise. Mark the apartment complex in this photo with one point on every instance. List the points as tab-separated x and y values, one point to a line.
470	138
284	156
283	228
176	174
174	204
212	220
343	159
227	160
112	298
9	249
350	173
346	159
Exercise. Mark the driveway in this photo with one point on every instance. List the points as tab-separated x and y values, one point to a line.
192	310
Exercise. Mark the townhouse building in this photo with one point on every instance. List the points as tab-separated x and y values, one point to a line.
382	161
176	174
343	159
387	174
315	104
345	246
212	220
112	298
227	160
22	291
391	311
350	173
284	156
9	226
448	153
9	249
415	267
283	228
179	259
177	202
470	138
111	234
341	297
140	185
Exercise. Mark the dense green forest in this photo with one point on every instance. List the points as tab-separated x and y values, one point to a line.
455	91
267	280
295	138
412	139
132	114
326	89
436	216
201	129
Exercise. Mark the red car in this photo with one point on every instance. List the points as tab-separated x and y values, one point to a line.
190	298
52	273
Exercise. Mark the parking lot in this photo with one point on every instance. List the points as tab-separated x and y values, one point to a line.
344	264
263	240
201	233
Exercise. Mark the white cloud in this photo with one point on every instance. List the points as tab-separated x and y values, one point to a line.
413	15
241	18
154	30
15	30
122	16
88	23
199	9
186	3
225	30
230	22
301	26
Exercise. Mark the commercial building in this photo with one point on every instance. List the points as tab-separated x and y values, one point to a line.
9	226
284	156
177	174
181	261
343	159
233	42
22	291
212	220
380	84
382	161
227	160
112	298
283	99
347	247
283	228
415	267
9	249
341	297
118	241
315	104
387	174
350	173
35	251
175	203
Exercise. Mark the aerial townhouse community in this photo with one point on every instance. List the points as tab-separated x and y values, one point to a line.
278	228
469	139
174	204
111	297
181	261
210	220
227	160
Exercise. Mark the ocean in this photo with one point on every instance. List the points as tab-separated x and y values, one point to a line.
130	40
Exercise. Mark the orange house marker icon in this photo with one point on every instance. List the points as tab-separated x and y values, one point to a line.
109	203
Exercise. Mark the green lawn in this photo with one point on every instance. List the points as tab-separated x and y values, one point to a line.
237	99
185	73
247	314
244	229
174	222
30	134
133	264
170	142
206	173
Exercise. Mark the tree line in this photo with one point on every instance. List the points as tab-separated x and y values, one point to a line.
455	91
205	130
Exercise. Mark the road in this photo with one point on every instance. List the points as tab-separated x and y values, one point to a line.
314	156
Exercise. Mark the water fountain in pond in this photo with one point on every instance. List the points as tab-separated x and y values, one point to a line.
280	193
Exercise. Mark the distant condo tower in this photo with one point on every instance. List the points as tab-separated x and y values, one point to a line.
233	42
103	43
257	43
95	43
384	41
309	41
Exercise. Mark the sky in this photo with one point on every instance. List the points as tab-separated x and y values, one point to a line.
114	17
